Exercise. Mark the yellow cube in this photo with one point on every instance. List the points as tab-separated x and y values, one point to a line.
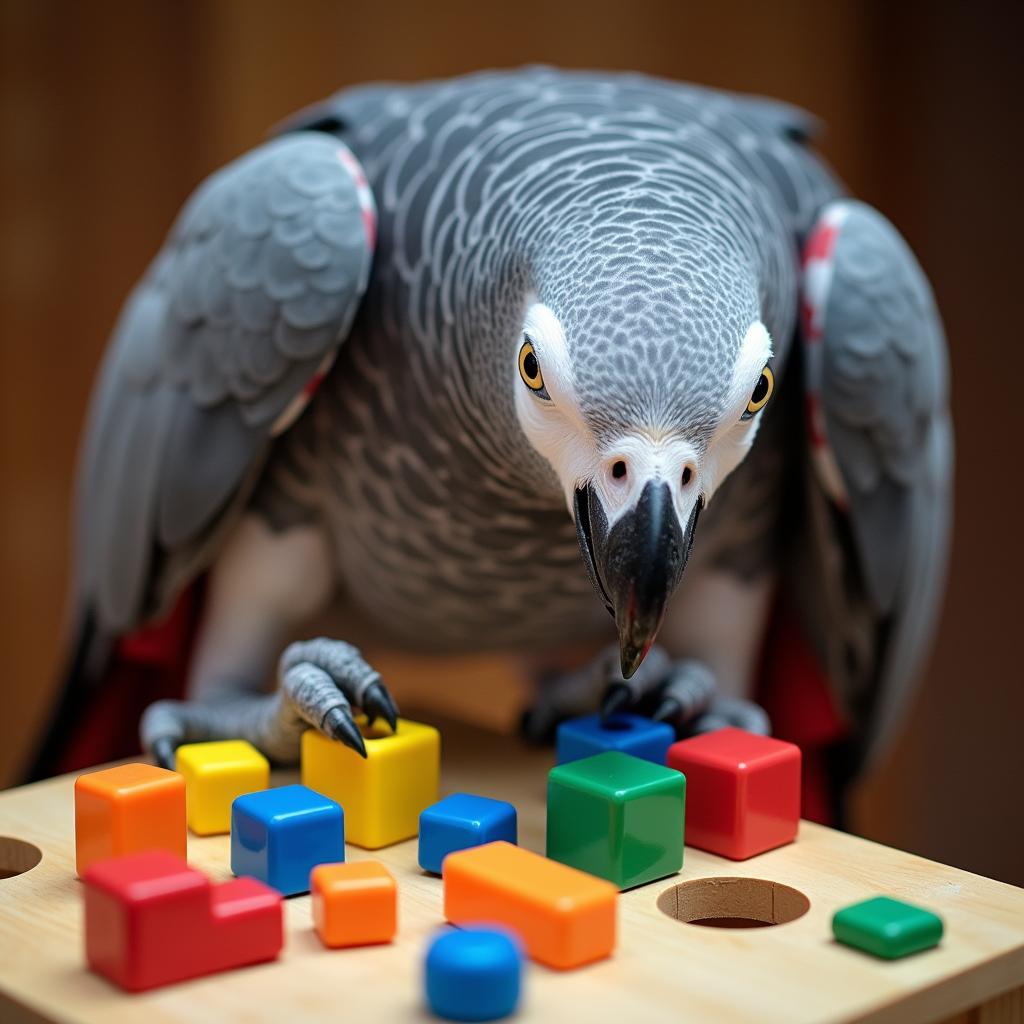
384	794
215	773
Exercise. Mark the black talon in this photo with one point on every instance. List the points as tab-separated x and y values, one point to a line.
710	721
377	702
338	724
667	711
163	751
616	697
536	730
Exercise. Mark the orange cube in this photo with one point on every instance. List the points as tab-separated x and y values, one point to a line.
565	917
354	904
127	809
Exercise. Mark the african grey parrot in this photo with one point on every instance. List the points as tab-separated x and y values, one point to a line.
465	361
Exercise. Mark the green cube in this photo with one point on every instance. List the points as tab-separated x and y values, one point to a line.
886	927
618	817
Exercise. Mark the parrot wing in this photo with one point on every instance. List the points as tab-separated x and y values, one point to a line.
881	442
216	351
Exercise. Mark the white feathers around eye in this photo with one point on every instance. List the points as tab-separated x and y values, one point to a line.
554	425
542	327
755	352
734	436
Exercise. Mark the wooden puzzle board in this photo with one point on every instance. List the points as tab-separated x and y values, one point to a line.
663	970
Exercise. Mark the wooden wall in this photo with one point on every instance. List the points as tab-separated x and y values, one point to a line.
110	112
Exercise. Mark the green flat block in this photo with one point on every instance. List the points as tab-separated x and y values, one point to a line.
887	928
618	817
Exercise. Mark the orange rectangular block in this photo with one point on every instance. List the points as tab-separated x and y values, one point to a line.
565	917
127	809
354	904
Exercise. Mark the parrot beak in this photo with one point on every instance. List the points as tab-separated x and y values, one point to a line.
636	564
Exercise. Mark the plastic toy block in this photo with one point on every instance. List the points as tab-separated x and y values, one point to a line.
354	904
473	974
385	793
151	920
887	928
280	835
617	817
215	773
565	917
630	734
460	821
744	791
126	809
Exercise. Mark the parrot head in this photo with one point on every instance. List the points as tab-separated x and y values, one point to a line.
640	376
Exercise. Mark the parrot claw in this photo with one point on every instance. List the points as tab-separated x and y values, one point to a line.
163	752
617	697
339	725
682	693
377	703
735	712
667	711
321	681
315	674
537	727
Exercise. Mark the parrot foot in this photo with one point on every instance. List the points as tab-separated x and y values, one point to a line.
322	681
682	693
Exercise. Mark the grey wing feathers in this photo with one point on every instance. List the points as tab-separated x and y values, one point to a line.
254	289
884	395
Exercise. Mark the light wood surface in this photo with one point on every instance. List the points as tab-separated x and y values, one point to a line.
663	969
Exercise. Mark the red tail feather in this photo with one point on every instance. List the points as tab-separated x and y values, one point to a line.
794	691
148	665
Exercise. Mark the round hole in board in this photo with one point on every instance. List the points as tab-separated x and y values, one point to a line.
616	724
17	857
733	902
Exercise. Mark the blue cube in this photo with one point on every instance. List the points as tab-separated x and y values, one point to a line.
629	734
474	974
460	821
280	835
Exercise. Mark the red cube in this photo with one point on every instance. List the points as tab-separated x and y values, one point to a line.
742	791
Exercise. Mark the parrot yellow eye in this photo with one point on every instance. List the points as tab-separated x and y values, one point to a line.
762	392
529	369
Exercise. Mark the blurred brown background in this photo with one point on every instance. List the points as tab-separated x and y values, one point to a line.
111	112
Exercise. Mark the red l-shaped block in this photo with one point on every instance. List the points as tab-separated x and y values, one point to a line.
151	920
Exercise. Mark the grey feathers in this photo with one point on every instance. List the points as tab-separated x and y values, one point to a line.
639	210
884	393
258	282
883	388
656	220
263	270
